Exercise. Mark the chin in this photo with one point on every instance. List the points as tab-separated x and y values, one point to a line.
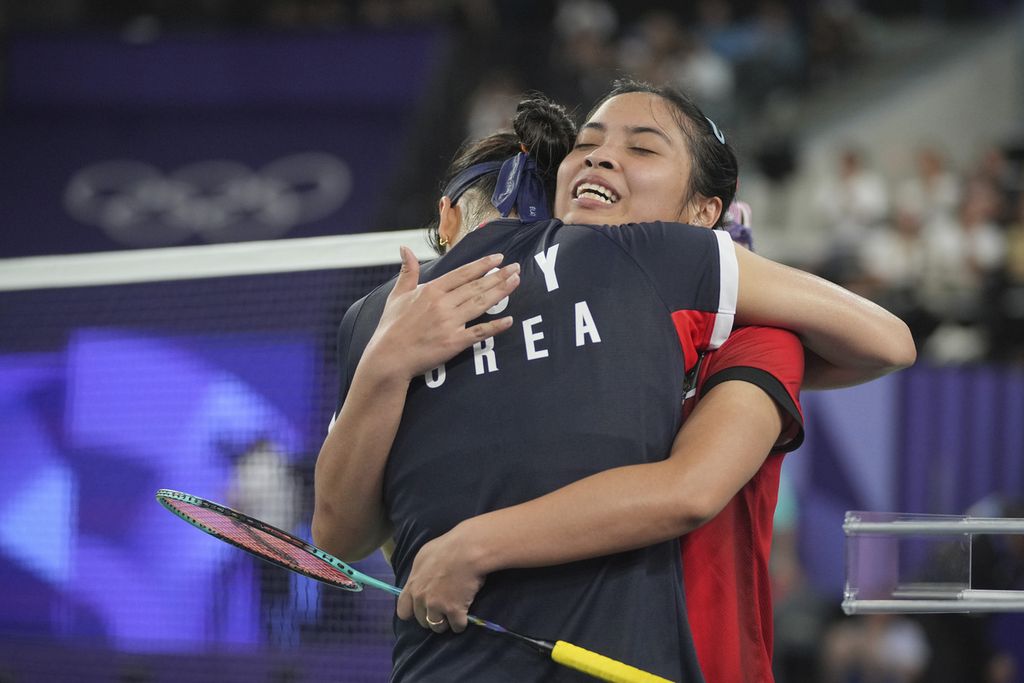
585	217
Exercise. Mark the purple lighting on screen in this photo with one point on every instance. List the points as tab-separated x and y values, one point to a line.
125	413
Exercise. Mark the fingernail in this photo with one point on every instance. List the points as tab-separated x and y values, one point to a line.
496	258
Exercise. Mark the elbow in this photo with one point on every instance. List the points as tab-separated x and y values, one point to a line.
886	350
330	536
687	500
909	350
902	353
693	511
905	358
322	536
319	533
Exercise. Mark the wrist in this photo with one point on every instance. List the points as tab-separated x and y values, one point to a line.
379	375
476	543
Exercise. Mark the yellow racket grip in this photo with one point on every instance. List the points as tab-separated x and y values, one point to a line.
599	666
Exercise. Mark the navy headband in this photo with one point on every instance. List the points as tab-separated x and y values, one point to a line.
518	185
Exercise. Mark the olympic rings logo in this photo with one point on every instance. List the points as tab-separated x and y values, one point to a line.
138	205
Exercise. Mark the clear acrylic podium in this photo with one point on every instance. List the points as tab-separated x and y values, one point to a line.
914	563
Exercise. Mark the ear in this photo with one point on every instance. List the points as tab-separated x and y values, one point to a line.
706	211
450	221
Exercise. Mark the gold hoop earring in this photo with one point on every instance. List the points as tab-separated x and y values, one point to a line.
442	240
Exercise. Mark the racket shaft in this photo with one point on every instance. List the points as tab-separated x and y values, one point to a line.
599	666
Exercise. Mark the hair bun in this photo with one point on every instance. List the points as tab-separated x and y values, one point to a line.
546	130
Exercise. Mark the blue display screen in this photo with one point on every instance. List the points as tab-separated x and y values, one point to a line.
92	430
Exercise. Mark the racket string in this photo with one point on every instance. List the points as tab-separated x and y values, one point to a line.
263	542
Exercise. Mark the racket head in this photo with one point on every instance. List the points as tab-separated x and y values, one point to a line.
263	540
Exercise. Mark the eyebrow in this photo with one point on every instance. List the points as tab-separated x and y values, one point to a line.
632	130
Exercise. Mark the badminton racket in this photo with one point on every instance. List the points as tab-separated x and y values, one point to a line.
291	552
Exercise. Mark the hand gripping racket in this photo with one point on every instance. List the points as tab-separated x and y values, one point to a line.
288	551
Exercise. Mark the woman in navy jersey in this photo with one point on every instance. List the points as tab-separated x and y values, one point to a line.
633	147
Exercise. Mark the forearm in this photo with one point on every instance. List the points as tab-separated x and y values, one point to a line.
570	524
857	338
820	374
349	517
638	505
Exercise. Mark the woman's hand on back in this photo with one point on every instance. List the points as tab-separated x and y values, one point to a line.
424	325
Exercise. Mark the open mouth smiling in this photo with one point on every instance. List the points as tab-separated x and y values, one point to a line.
595	191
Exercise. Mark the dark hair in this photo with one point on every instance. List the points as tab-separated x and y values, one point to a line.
715	169
541	126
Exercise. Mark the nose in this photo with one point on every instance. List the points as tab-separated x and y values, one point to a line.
598	159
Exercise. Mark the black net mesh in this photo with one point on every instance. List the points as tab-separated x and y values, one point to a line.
221	387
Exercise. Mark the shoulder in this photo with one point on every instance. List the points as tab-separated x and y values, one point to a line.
358	311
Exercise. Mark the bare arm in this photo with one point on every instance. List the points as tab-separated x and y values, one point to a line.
644	504
421	327
638	505
853	340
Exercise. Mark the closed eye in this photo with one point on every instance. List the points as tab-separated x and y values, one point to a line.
643	150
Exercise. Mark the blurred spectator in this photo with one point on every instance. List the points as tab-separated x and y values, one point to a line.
596	17
492	105
965	254
1015	242
995	168
265	486
776	60
1010	333
765	49
933	191
964	257
834	42
875	648
583	62
716	22
658	49
892	261
706	76
650	46
849	205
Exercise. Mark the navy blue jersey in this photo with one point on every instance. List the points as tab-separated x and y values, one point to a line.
591	376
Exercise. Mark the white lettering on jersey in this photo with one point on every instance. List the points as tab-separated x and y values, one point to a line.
585	324
546	261
435	377
498	307
483	355
531	337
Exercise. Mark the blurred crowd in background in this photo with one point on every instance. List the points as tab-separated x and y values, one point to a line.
943	247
